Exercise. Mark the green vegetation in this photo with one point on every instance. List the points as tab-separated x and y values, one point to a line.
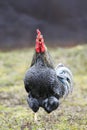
14	111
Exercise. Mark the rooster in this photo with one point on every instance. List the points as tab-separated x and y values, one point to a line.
44	83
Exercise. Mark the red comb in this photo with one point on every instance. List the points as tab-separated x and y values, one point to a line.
38	32
40	46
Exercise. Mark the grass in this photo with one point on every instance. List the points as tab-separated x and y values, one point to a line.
14	111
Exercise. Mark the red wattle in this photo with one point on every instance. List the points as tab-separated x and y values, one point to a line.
43	48
40	48
37	47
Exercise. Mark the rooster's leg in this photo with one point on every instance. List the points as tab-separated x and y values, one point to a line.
35	117
49	117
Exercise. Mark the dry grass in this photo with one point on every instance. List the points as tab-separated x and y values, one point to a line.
14	111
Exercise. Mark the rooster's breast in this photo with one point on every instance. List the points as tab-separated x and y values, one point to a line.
41	80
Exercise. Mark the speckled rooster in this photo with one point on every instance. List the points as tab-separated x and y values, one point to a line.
45	84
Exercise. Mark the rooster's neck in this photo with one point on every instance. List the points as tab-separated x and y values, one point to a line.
43	59
40	59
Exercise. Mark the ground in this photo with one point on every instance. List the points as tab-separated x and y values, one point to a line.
14	111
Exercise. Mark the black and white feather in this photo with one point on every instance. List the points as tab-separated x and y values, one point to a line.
64	74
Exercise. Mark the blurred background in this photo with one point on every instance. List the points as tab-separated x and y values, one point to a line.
64	26
62	22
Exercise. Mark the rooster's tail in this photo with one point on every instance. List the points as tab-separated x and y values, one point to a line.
65	76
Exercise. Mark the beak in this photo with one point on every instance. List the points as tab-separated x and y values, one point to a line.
40	41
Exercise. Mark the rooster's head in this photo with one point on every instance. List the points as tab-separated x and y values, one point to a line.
40	45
